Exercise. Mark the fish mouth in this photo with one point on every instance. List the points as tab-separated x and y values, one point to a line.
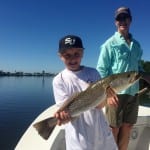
136	77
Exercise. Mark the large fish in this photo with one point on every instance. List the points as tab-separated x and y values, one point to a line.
91	97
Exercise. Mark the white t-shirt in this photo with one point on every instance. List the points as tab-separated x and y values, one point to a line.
90	131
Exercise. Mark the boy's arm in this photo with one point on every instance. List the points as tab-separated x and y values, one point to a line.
60	95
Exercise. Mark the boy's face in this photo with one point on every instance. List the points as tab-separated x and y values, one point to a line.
72	58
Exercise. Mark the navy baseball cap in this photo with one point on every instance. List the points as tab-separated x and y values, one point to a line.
123	10
70	41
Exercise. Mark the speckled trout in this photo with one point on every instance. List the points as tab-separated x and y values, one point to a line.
94	95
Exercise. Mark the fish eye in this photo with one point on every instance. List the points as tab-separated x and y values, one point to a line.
128	75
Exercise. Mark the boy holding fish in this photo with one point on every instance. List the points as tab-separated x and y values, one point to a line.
90	130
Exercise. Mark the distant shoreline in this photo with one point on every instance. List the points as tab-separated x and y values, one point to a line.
21	74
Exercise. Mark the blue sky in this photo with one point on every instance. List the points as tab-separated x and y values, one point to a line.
30	30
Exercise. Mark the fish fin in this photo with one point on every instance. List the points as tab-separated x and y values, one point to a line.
142	91
45	127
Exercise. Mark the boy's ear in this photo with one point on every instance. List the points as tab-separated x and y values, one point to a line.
60	56
116	23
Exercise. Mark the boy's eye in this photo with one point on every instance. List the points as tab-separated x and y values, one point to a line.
69	56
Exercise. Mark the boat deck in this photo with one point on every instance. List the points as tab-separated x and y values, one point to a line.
31	140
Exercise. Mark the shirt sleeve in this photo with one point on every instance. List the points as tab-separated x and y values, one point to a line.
103	65
59	90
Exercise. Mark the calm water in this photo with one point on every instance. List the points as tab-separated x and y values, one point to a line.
22	99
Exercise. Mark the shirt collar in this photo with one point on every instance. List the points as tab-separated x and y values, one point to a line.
119	35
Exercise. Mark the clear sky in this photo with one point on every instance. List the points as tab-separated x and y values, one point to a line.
30	30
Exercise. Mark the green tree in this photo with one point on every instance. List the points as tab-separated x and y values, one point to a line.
145	98
146	65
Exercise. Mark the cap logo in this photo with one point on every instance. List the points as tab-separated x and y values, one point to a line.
70	41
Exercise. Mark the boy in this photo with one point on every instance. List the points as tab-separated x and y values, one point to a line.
90	130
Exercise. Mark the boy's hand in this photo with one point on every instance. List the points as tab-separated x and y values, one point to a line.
62	117
112	98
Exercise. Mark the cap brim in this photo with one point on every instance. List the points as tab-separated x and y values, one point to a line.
122	12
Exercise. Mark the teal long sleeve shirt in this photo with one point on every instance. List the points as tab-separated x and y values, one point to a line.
117	56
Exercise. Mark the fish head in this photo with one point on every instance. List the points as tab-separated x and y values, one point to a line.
122	81
133	76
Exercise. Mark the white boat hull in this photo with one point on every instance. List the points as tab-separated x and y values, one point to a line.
140	135
31	140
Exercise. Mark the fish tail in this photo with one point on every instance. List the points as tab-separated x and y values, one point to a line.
45	127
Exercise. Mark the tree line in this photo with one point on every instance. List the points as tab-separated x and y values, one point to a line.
146	68
146	65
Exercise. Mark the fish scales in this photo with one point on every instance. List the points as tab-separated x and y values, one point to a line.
86	100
